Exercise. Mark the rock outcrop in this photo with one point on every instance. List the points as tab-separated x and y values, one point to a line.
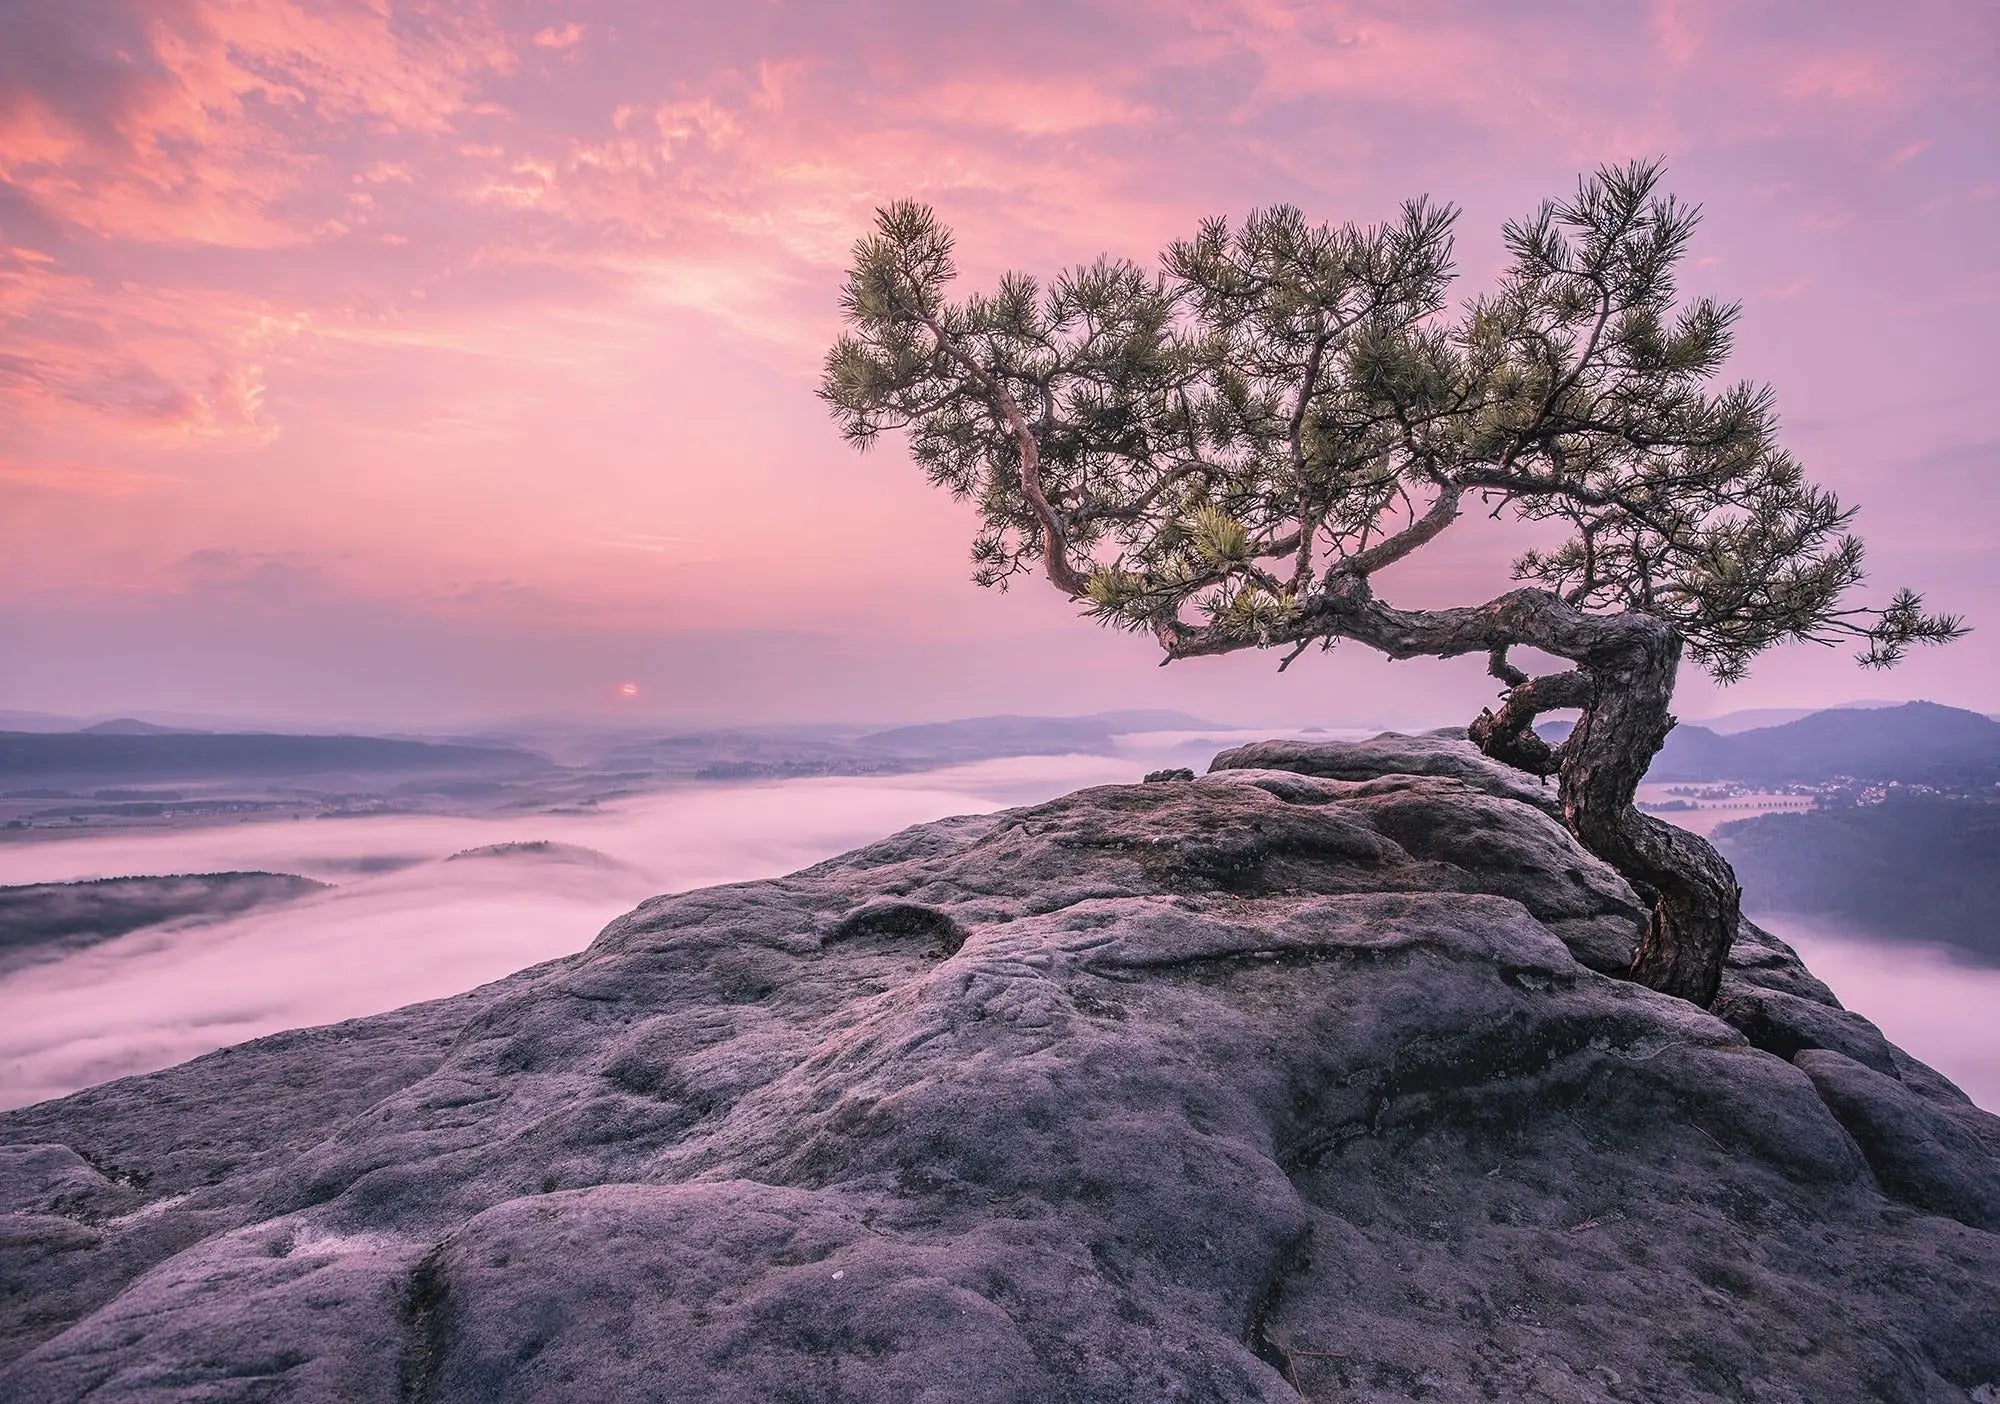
1310	1078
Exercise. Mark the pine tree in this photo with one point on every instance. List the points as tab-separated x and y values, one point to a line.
1225	453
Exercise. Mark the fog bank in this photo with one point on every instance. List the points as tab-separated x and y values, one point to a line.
1933	1004
404	924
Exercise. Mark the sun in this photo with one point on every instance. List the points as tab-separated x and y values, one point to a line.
628	690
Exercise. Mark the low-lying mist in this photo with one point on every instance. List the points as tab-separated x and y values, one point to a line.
404	923
1933	1003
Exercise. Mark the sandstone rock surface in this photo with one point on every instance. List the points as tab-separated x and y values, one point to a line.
1299	1080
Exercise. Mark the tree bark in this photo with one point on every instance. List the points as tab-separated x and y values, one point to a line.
1697	903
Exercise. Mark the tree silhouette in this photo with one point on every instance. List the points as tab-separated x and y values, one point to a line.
1227	452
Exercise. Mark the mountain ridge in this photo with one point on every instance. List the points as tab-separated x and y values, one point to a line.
1908	742
1919	869
173	754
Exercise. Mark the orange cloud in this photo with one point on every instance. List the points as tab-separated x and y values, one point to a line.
80	479
560	36
1031	107
157	364
228	114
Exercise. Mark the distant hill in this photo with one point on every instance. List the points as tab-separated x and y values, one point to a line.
51	919
1155	719
1696	753
36	721
188	755
1750	718
1021	736
992	736
1691	753
1921	868
1917	743
538	850
131	726
17	720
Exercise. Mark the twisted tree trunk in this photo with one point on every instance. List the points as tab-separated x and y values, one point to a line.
1623	682
1696	900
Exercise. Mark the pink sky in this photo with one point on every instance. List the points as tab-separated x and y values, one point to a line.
382	360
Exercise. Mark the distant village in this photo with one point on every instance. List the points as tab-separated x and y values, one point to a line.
1841	792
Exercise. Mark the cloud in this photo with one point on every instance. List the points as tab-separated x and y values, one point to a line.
1030	106
1938	1008
559	36
1784	293
1680	35
199	122
384	939
396	285
269	581
1366	82
1850	78
80	479
1909	152
148	362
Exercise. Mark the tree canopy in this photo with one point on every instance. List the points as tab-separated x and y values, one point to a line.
1223	451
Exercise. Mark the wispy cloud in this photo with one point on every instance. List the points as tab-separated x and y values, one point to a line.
1854	77
81	479
208	122
152	361
559	36
1909	152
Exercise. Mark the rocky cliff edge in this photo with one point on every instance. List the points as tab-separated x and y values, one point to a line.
1311	1078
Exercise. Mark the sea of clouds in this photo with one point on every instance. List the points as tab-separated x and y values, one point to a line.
403	922
1933	1003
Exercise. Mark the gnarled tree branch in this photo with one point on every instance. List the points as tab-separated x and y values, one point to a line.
1055	539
